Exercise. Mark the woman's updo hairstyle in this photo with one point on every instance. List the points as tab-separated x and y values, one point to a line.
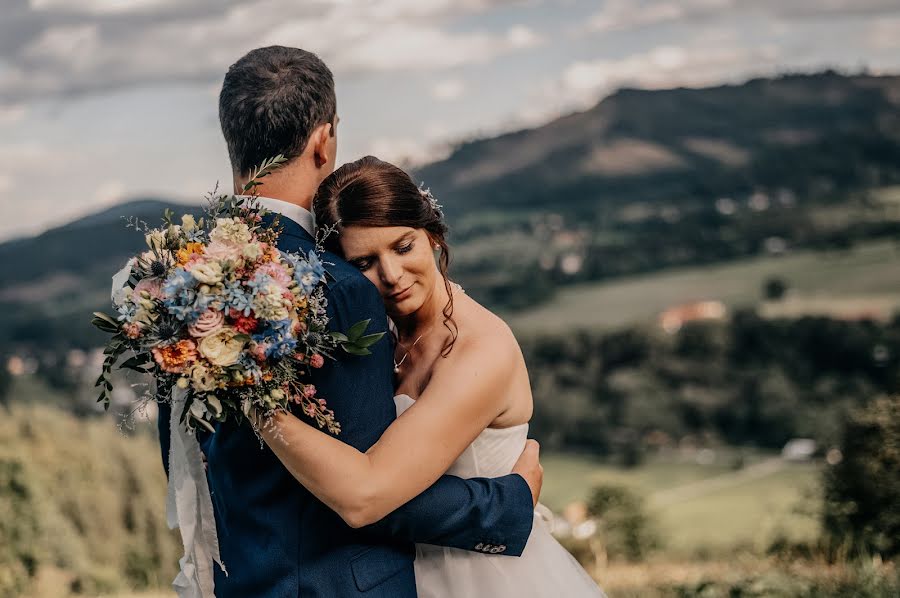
371	192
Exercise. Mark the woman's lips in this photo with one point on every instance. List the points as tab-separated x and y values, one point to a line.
401	295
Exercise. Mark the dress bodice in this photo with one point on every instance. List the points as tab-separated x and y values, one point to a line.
492	454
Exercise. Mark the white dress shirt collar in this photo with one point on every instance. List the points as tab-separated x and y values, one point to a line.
298	214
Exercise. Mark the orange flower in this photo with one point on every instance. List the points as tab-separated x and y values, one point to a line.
271	254
174	358
184	254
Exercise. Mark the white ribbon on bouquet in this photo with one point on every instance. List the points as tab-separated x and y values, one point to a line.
189	508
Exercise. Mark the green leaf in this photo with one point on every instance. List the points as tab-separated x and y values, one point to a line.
369	339
354	350
339	337
139	363
358	329
105	322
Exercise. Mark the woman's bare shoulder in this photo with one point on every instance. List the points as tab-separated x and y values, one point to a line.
485	333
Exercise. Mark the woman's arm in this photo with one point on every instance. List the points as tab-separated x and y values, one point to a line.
462	399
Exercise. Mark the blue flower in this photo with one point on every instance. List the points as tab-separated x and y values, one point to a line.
277	338
127	311
308	271
236	297
180	293
249	365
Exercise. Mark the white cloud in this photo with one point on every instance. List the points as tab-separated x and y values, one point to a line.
619	15
448	89
99	7
12	114
87	52
110	192
407	151
583	83
520	36
885	34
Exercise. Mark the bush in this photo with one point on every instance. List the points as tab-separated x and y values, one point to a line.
624	527
862	492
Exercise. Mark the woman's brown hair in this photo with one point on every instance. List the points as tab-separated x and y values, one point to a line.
371	192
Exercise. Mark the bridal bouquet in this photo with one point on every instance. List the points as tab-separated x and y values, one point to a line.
212	308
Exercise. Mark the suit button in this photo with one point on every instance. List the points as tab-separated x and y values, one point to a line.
501	548
479	546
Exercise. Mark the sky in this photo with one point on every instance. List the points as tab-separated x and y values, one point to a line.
102	101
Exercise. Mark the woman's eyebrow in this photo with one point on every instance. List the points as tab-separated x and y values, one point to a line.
406	237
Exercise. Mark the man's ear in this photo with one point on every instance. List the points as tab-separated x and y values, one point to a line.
320	144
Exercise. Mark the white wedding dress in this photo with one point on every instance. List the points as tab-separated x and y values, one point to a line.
545	568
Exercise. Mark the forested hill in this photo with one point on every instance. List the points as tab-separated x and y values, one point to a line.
635	184
813	134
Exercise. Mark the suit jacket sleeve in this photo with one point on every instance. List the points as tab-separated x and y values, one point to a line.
481	514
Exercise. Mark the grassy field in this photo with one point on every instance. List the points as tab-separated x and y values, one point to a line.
700	509
861	279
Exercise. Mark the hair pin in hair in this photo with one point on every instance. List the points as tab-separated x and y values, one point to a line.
427	196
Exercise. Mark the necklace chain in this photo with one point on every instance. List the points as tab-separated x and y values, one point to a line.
397	364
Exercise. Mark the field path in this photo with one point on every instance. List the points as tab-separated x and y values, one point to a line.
670	496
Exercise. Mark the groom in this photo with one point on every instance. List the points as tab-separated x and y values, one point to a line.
276	539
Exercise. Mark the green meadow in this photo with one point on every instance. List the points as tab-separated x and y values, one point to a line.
700	509
857	280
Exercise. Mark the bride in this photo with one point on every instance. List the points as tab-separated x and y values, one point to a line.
462	392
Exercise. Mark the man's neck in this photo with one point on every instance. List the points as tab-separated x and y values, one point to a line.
290	184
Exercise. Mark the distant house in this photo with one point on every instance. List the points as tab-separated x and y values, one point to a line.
674	318
799	449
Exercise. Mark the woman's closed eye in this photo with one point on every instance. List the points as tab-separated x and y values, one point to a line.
405	248
362	263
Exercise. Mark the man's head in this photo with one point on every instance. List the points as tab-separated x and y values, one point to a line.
279	100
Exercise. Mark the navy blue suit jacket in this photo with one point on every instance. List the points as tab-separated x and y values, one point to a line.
277	540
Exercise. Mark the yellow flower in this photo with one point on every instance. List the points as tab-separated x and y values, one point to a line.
185	253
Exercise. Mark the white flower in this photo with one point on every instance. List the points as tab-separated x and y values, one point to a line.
269	303
188	223
222	348
208	273
202	379
230	231
252	251
156	239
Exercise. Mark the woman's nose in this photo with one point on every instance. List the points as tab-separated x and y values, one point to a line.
390	273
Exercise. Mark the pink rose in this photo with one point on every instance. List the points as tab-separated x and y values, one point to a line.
276	272
208	323
258	352
152	286
317	361
221	252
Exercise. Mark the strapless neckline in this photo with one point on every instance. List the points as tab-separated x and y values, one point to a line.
404	402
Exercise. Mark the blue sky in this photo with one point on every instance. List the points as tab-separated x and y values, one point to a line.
106	100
